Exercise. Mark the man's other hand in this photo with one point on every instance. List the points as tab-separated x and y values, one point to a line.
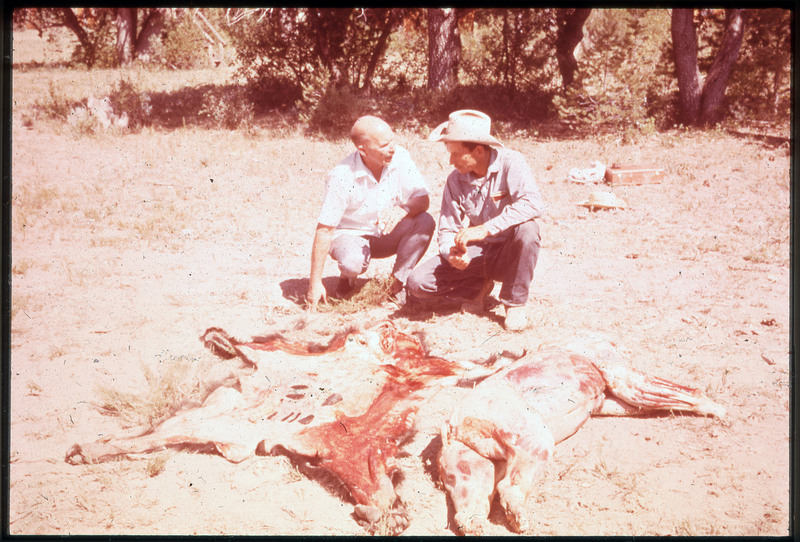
316	292
458	258
471	235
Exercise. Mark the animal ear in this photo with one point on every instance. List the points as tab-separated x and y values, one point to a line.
387	342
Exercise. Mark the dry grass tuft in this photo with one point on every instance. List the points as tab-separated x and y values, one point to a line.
174	385
373	294
156	464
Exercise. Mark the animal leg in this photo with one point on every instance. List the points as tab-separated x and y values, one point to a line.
648	393
212	423
639	390
469	479
384	513
527	453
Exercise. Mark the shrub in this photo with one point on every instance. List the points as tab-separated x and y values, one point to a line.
328	109
126	98
100	50
336	111
54	106
617	74
268	93
228	107
184	46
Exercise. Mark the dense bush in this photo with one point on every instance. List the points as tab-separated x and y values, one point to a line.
229	107
760	87
512	48
126	98
184	45
617	76
100	51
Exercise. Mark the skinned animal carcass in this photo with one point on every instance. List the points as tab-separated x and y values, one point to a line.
345	407
500	438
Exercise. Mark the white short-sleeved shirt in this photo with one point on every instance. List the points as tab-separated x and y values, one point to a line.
354	199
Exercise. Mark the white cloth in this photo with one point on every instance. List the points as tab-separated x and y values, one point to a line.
593	174
354	199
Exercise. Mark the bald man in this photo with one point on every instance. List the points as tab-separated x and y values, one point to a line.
359	191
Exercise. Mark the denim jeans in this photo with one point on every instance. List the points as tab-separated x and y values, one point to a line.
409	240
510	262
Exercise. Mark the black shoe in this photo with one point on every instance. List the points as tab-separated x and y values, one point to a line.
345	287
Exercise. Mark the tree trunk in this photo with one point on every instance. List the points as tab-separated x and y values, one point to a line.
71	22
505	62
444	49
150	33
717	78
380	47
568	36
684	45
701	101
126	35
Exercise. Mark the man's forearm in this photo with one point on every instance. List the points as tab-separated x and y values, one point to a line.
417	205
323	238
520	211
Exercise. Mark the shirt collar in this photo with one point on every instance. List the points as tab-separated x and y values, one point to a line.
491	171
361	169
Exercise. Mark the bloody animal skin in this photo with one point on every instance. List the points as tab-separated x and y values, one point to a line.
500	438
345	407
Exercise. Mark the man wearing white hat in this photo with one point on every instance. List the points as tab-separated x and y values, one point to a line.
359	191
487	230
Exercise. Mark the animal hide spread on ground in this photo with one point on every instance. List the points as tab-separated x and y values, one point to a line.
347	407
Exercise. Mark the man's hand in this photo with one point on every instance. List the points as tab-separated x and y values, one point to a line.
458	258
390	218
316	292
470	235
323	237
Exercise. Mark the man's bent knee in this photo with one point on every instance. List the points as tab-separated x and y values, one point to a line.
418	283
426	223
352	269
422	223
528	233
353	260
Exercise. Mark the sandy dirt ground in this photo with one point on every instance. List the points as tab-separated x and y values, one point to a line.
127	246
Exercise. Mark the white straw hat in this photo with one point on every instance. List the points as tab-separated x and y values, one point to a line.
603	200
466	125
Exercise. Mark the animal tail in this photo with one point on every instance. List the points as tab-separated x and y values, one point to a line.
649	393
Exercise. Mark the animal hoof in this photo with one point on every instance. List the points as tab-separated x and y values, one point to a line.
471	526
381	523
520	525
218	342
368	513
75	455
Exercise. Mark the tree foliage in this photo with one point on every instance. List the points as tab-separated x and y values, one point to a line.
616	76
92	27
287	45
760	84
605	68
512	48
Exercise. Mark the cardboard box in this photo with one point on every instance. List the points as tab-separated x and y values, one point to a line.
637	174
